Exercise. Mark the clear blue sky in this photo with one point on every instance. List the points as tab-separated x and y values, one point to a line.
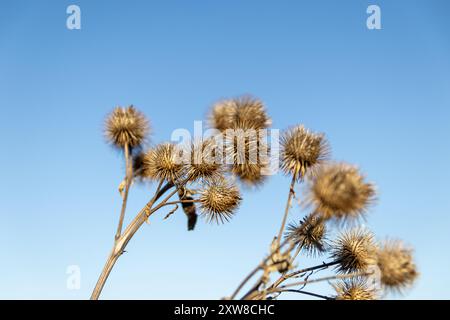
381	96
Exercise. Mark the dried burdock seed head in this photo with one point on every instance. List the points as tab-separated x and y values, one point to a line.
302	151
205	160
243	112
340	191
249	174
251	113
126	126
163	162
354	289
309	234
247	155
395	261
219	199
222	115
355	250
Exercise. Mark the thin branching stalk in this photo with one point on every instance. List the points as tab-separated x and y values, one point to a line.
333	277
278	241
128	180
246	279
308	293
294	256
182	201
295	274
122	241
132	228
255	287
286	288
305	270
284	276
297	252
288	205
256	269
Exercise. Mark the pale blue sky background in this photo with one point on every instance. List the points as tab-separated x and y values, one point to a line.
382	97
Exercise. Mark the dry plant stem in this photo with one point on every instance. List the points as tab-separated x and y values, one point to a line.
261	266
286	276
246	279
334	277
283	276
181	201
320	266
122	241
280	234
255	270
297	252
295	273
128	179
254	289
288	205
303	283
309	294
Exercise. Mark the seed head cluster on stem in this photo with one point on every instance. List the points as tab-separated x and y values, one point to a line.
203	178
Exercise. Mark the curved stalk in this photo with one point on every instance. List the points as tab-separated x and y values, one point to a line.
288	206
339	276
255	270
128	179
122	241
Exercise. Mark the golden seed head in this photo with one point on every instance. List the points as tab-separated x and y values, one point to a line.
397	267
309	234
302	151
340	191
354	289
243	112
246	155
251	114
249	174
126	126
219	199
205	160
163	162
222	115
355	250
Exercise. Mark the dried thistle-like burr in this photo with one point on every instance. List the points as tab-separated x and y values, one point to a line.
309	234
302	151
340	191
247	155
219	199
397	267
354	250
205	160
243	112
163	162
248	173
251	114
126	126
355	289
222	115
